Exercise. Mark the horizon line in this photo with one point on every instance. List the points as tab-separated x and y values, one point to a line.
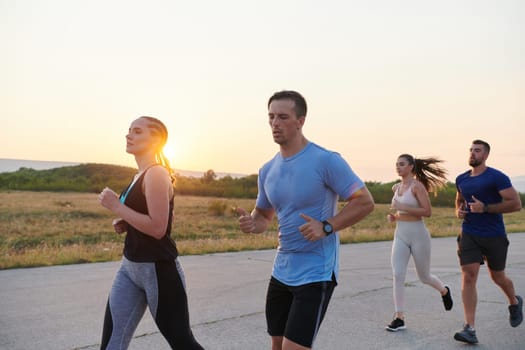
221	173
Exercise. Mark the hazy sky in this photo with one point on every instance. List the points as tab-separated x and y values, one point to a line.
380	77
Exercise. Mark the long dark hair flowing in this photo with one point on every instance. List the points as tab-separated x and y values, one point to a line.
428	171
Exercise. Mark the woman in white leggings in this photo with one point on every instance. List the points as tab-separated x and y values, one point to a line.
411	237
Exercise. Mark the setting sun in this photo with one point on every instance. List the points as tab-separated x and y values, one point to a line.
170	151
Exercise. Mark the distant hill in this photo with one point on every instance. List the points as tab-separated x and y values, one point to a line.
93	178
76	178
10	165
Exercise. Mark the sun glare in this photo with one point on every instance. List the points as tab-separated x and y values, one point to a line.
170	151
176	155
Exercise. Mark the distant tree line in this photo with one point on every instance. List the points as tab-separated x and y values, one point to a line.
94	177
209	185
79	178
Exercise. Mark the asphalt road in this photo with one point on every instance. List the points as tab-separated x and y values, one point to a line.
62	307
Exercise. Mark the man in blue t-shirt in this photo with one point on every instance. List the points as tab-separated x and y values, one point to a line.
302	185
483	195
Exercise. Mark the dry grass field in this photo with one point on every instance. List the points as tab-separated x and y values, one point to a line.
49	228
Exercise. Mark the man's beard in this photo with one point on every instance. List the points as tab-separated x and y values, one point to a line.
474	162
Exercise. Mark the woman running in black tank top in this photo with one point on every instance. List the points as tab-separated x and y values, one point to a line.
150	274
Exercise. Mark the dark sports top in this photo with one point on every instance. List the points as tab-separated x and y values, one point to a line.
138	246
485	187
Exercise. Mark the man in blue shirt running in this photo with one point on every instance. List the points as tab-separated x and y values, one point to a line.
483	195
302	185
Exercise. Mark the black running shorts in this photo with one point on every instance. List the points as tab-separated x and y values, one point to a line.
296	312
473	249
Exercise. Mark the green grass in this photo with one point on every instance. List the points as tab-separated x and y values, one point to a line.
56	228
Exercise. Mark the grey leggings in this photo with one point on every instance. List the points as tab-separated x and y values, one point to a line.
159	285
411	238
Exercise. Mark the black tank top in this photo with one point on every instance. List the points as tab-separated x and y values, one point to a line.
138	246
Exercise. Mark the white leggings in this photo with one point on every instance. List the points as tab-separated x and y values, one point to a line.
411	238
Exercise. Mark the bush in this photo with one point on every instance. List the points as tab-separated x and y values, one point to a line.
217	208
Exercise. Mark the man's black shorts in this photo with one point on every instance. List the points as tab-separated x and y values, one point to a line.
296	312
474	249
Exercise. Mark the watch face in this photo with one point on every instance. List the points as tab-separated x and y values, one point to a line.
328	228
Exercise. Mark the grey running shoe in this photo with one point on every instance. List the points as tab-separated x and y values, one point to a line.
516	312
396	325
466	335
447	299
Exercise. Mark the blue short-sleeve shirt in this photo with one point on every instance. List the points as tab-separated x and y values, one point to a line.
310	182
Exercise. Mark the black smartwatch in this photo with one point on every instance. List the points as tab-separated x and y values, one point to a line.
328	229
